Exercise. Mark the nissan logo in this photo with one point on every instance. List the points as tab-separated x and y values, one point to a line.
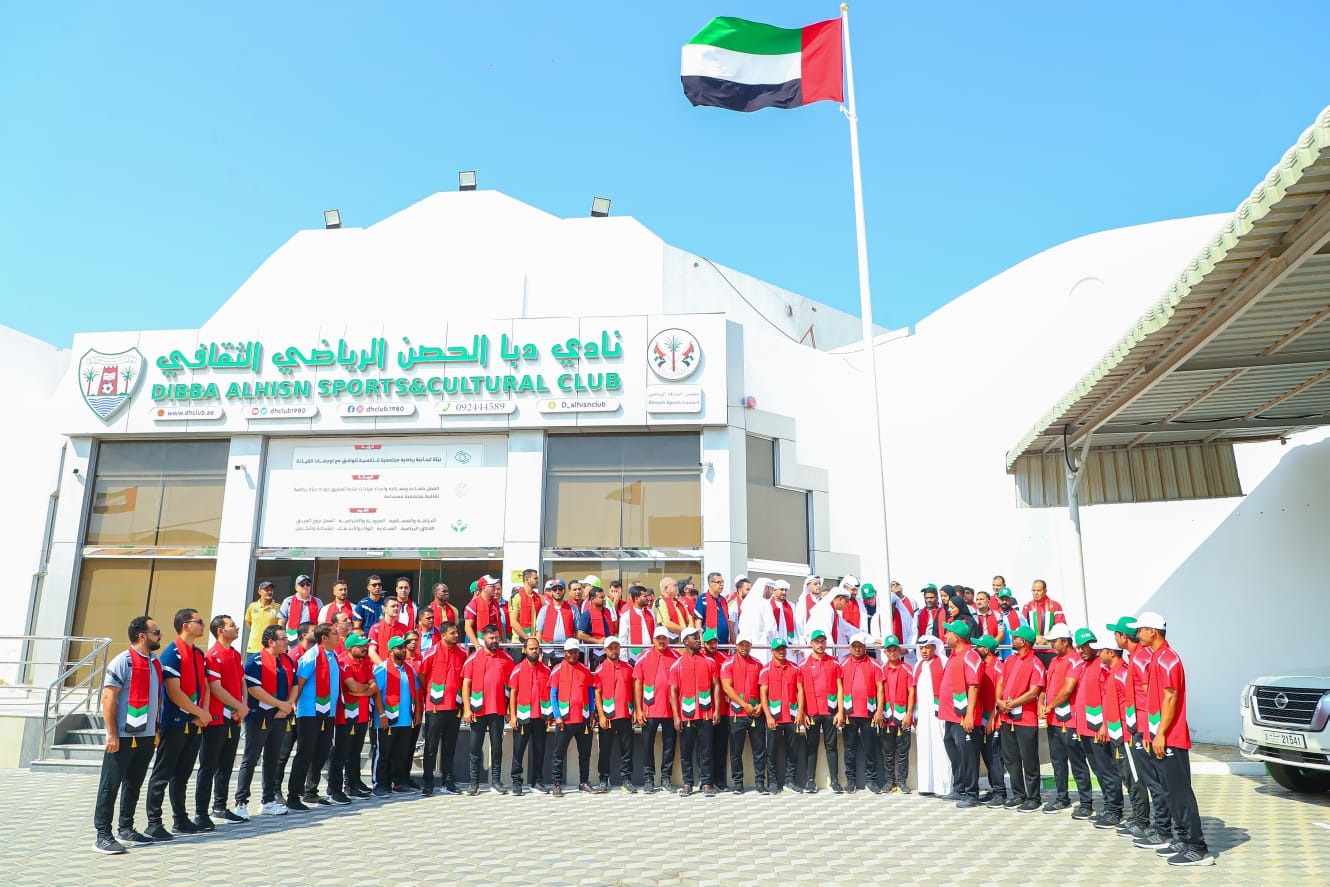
1281	701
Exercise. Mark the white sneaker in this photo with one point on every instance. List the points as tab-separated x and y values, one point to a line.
242	810
272	808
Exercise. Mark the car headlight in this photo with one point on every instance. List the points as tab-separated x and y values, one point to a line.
1246	696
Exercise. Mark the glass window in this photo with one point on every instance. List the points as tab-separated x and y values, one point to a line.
158	494
645	572
777	517
623	491
113	591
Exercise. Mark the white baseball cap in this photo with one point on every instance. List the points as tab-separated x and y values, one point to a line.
690	630
610	640
572	644
593	581
661	632
1058	631
1151	619
744	636
861	637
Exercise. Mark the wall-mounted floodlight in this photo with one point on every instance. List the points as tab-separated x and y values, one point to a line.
600	207
332	219
466	181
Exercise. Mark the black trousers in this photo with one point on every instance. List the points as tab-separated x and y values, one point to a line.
667	738
441	731
1140	801
1020	752
122	777
1064	748
1149	768
1100	756
393	765
820	727
695	739
265	738
782	737
562	736
288	745
860	737
529	744
617	739
1176	770
314	740
991	754
177	750
344	769
755	731
217	757
963	750
491	726
896	756
720	751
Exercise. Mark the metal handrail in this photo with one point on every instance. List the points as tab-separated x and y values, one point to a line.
89	686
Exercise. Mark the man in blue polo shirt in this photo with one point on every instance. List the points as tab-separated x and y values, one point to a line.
395	715
184	715
269	681
319	679
370	609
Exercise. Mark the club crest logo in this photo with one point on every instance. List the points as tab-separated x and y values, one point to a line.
108	381
674	354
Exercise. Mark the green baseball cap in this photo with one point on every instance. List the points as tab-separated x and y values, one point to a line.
817	633
778	642
988	642
709	635
1126	626
355	640
1025	633
959	628
475	586
1083	636
867	590
891	641
931	587
396	642
1005	592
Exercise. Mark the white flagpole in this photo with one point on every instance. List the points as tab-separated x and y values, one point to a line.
865	298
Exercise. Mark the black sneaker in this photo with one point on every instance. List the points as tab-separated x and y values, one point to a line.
1057	806
226	817
836	788
131	838
339	798
558	790
427	791
686	791
849	789
796	788
108	845
158	832
997	802
1191	857
474	789
967	803
1151	840
810	787
1028	807
650	787
585	788
498	788
361	792
412	784
985	797
775	790
875	788
604	787
204	824
1084	811
709	791
1173	849
627	786
949	796
450	788
1012	803
738	788
403	789
517	789
540	787
298	806
185	827
1134	832
1107	821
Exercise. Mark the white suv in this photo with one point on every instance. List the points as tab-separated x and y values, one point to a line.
1284	724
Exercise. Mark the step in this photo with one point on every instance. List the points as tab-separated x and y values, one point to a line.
76	765
85	736
72	751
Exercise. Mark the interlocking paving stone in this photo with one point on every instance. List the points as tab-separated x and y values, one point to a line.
1261	834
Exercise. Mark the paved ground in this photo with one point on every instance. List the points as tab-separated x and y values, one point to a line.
1261	834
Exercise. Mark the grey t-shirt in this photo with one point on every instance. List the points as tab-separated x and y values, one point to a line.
118	675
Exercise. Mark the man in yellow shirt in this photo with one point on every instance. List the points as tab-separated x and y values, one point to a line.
259	615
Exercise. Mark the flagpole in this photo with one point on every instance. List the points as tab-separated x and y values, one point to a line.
865	298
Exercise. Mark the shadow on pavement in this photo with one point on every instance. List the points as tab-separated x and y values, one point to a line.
1222	837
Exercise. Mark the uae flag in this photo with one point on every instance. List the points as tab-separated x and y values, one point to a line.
746	66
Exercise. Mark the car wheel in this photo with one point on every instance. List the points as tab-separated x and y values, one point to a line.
1299	779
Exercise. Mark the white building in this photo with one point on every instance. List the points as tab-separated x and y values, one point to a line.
474	386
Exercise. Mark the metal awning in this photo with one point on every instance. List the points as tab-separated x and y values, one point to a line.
1238	349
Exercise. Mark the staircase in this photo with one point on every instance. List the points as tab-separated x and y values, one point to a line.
78	747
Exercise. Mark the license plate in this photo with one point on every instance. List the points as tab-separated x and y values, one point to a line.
1288	740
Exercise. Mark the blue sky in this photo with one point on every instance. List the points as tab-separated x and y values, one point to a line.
153	155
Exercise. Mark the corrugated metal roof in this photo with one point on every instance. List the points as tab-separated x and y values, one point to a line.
1238	347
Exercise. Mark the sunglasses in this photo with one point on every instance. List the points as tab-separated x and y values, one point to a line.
155	631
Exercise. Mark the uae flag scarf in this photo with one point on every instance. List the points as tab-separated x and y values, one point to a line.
322	685
191	678
268	666
300	611
140	693
694	691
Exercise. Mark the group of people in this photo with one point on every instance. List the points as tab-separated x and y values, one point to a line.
957	677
